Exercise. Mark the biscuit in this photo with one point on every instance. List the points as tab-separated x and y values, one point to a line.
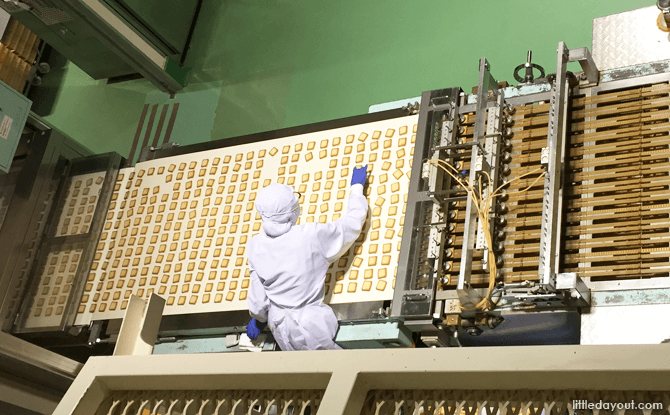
390	132
381	285
376	135
352	287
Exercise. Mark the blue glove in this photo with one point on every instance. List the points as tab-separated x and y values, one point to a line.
360	176
254	328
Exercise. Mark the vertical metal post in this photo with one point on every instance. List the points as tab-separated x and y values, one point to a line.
486	84
550	231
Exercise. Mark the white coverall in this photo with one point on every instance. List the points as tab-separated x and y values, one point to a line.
288	267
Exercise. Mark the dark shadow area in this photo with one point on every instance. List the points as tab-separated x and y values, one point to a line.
529	329
44	96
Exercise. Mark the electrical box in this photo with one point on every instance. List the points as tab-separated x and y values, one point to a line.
14	109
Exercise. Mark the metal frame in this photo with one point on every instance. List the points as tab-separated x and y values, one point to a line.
555	154
413	298
486	84
346	386
48	148
174	149
37	364
109	163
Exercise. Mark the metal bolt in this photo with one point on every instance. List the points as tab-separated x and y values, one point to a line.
473	331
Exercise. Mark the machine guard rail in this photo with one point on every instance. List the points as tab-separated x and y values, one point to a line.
518	379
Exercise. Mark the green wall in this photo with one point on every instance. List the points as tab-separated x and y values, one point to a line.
272	64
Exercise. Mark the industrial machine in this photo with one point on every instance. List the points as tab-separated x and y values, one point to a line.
116	39
510	215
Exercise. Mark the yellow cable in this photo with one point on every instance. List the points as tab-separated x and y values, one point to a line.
484	218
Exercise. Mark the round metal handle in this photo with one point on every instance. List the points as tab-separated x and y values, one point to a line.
519	78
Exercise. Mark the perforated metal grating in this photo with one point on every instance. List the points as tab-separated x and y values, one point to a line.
273	402
524	402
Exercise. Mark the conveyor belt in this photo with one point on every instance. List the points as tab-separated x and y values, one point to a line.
179	226
618	202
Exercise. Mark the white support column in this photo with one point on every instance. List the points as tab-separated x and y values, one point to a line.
344	395
140	326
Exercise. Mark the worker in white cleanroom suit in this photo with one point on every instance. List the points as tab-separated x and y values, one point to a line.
288	265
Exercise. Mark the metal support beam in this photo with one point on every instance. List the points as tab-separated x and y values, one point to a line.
140	326
486	91
552	196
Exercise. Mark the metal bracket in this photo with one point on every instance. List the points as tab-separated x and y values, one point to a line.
148	153
583	56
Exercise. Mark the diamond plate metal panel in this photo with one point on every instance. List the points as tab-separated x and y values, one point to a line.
625	324
628	39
